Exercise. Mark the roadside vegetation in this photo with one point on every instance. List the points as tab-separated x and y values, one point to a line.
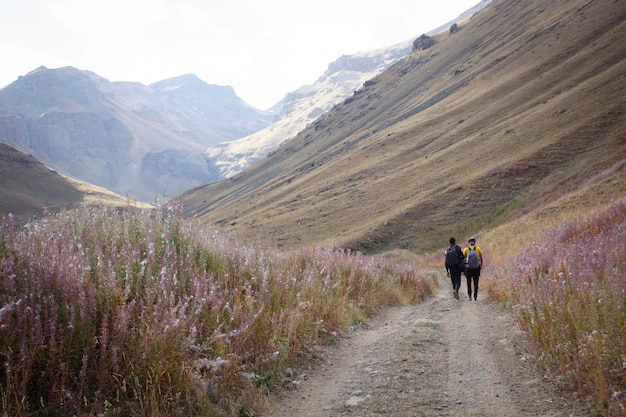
569	289
111	313
144	314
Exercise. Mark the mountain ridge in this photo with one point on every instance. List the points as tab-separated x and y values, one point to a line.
522	104
346	74
305	104
141	141
146	141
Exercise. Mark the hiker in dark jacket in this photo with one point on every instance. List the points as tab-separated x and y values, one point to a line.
473	261
454	265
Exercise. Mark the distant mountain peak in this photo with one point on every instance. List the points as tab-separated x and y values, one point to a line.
175	82
192	85
61	72
137	140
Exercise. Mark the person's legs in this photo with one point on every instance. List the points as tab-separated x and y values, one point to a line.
475	277
469	284
456	281
452	279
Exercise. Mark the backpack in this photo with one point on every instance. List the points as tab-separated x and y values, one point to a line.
472	259
453	257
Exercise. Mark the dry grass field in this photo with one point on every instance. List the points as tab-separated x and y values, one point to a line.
517	118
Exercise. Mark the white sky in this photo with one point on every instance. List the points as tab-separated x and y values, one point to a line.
262	48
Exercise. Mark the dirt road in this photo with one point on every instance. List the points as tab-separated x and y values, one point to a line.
444	357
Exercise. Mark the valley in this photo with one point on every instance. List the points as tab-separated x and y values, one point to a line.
156	280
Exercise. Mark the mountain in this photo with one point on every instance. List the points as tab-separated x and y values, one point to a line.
304	105
208	113
30	189
137	140
301	107
518	111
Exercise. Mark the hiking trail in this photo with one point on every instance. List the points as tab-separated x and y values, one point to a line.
443	357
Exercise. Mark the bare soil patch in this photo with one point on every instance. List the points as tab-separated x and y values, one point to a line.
444	357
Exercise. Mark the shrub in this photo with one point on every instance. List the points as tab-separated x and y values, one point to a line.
118	313
571	296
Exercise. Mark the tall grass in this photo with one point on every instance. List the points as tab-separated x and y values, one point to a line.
570	290
123	314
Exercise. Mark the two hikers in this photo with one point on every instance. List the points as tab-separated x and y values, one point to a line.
455	264
473	262
468	260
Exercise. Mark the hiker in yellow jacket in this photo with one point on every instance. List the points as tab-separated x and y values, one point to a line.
473	262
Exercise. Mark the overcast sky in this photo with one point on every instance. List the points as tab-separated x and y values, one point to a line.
262	48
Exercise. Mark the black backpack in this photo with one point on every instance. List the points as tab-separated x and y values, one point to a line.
453	256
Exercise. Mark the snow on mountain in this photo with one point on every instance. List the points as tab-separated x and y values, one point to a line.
304	105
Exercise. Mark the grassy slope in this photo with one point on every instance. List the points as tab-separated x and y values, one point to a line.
28	188
519	108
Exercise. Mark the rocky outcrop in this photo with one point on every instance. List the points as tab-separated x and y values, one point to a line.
422	43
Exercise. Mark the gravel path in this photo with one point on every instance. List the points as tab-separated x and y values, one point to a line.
444	357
